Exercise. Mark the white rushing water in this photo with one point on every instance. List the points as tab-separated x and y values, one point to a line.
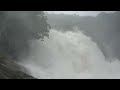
69	55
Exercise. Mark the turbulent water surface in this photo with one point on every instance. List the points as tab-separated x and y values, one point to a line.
69	55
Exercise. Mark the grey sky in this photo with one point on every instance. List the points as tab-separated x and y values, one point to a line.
81	13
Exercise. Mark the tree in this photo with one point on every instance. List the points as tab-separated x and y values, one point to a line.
104	29
17	28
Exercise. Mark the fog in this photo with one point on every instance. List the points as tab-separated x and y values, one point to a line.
71	45
70	55
80	13
17	29
103	29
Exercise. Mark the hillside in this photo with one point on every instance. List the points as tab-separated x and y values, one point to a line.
9	69
104	29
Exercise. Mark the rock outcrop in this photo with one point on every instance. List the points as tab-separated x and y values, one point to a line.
9	69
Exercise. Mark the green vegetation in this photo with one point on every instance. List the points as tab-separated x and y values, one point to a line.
17	28
104	29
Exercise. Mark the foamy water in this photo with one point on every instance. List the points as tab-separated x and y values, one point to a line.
70	55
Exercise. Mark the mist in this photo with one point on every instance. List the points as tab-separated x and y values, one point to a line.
51	45
79	47
18	28
103	29
70	55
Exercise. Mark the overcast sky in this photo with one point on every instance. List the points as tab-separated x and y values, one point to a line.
81	13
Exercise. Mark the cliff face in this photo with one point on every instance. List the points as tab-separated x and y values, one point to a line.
9	69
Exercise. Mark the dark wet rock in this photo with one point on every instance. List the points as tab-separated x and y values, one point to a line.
9	69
